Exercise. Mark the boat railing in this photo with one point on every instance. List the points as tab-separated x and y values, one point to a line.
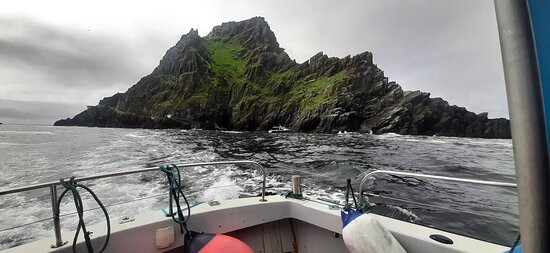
53	187
370	175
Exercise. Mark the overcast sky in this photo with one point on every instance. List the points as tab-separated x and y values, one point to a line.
56	57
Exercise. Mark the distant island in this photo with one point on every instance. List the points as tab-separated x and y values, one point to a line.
238	78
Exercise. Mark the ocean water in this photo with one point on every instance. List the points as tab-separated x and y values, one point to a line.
35	154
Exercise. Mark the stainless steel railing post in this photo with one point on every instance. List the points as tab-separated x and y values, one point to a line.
419	175
56	222
263	182
297	185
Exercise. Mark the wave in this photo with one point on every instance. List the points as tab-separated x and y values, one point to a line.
25	132
426	141
483	143
404	212
446	140
232	132
388	135
223	189
394	211
134	135
24	144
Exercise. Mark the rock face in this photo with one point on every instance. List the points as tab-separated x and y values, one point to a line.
237	77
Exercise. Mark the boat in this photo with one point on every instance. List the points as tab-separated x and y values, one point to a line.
288	222
279	129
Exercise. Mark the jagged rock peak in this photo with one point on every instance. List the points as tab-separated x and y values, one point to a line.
318	56
188	38
323	65
180	59
367	56
192	32
251	32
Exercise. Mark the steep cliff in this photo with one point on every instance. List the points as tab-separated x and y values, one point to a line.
237	77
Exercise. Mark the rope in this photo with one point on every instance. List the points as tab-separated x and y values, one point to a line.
175	192
349	189
72	187
107	206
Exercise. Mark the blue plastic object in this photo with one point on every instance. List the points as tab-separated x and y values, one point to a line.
540	19
517	249
348	216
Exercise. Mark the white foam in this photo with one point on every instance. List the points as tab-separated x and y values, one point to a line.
24	132
222	189
134	135
387	136
408	213
489	142
201	169
232	132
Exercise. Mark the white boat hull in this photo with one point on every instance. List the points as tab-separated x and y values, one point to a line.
265	227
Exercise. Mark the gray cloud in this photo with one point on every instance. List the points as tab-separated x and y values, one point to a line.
14	112
69	57
448	48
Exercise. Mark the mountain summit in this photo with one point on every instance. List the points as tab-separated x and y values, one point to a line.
237	77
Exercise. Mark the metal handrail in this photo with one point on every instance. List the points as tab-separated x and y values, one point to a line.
53	187
419	175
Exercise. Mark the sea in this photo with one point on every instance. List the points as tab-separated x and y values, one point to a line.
31	154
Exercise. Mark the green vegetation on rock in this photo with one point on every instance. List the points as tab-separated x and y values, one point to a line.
229	71
318	91
225	61
312	94
284	76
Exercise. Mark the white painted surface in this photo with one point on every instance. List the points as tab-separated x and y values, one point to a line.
165	237
365	234
238	214
287	234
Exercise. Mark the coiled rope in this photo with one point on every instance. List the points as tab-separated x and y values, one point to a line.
72	186
175	192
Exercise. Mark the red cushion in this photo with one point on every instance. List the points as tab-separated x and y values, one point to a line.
225	244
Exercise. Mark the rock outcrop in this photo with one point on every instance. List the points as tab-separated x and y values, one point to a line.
237	77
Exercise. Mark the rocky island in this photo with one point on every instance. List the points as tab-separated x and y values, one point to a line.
239	78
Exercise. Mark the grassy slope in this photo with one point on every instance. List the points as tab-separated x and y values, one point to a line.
226	68
225	61
282	88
